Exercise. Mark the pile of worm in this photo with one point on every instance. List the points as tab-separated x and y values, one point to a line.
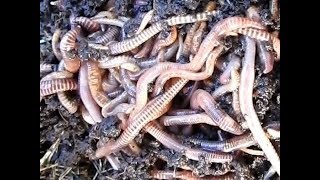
183	93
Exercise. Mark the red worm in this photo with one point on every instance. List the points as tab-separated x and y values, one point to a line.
85	94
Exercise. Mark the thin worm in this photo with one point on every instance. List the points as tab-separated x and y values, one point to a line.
154	109
55	44
107	62
235	102
202	99
182	112
146	63
45	67
252	152
201	118
262	35
94	81
121	108
165	42
195	76
197	38
86	116
146	19
86	97
48	87
274	9
266	57
157	174
109	21
68	44
115	93
115	74
111	79
180	50
268	175
145	50
110	35
129	44
153	72
103	14
57	75
226	25
123	97
87	24
135	75
247	108
234	63
70	104
230	87
235	143
128	85
191	18
188	41
191	153
107	86
133	67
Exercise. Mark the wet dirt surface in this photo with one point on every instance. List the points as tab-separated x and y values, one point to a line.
77	140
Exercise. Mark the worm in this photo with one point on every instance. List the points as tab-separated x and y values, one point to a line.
129	44
110	35
197	38
87	24
121	108
266	57
146	19
110	21
154	109
234	63
107	62
68	44
48	87
135	75
235	102
230	87
157	174
180	49
85	95
246	105
165	42
145	50
191	18
103	14
152	73
274	9
115	93
195	76
94	81
106	86
86	116
202	99
262	35
187	119
45	67
128	85
123	97
188	40
182	112
55	44
235	143
191	153
226	25
70	104
252	152
115	74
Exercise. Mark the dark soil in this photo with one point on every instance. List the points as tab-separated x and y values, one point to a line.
77	140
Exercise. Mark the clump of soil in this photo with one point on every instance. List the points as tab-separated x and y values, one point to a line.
76	140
